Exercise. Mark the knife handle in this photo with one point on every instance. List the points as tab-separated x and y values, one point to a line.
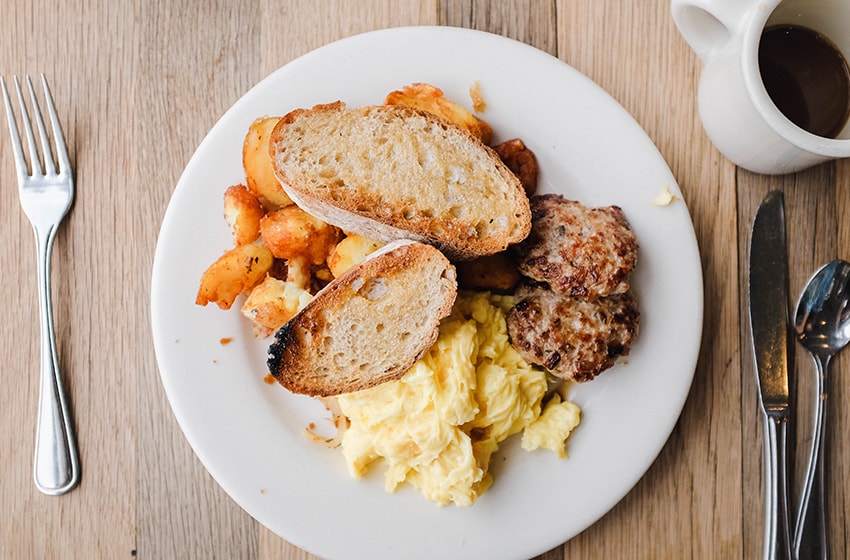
777	542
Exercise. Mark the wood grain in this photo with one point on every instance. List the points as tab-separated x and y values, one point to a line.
139	84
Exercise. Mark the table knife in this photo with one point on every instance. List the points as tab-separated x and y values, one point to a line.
768	302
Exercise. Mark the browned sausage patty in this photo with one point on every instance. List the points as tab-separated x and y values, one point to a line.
571	337
579	251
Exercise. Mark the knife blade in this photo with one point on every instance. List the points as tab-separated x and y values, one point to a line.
768	305
768	291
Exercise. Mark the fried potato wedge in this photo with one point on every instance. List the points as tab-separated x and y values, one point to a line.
272	303
348	252
521	161
426	97
234	273
243	212
291	233
258	163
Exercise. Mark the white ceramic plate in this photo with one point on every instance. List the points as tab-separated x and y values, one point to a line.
248	434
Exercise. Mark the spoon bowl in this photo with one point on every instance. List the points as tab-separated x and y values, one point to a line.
822	322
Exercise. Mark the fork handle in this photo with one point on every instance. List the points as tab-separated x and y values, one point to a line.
57	466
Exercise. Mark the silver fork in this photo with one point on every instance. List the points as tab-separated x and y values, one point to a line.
46	195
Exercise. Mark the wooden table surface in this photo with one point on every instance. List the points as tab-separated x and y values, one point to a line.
139	84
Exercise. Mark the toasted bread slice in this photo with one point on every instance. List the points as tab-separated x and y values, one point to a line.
395	172
369	325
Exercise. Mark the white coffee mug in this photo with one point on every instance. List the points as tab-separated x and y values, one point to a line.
736	110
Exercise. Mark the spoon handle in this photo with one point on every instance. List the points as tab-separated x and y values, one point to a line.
810	528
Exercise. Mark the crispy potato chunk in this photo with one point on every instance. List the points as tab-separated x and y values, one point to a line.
521	161
258	163
348	252
496	273
322	274
429	98
235	272
306	276
272	303
291	233
242	212
298	272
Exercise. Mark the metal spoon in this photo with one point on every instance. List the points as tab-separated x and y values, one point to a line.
823	328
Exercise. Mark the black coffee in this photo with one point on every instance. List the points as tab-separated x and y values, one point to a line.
806	77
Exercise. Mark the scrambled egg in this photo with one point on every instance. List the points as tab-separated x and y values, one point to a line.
552	429
664	198
439	425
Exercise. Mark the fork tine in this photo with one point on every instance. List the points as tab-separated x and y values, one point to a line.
47	152
35	162
20	162
58	137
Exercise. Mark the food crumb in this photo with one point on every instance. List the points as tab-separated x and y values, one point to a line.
226	340
664	198
262	490
478	103
269	378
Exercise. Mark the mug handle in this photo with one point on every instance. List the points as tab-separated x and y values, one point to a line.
708	24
